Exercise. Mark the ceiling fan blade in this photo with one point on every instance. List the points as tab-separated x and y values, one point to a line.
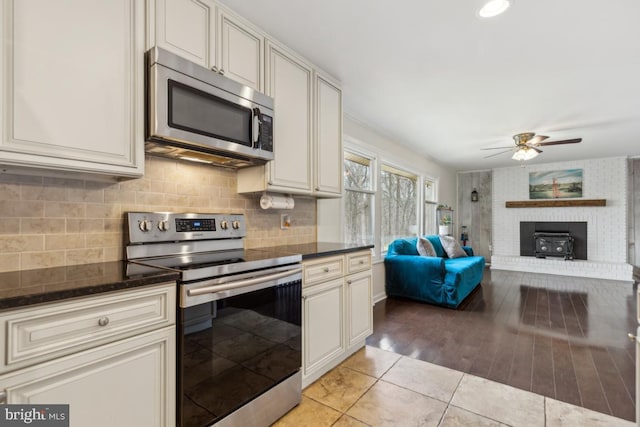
536	149
564	141
497	154
537	139
496	148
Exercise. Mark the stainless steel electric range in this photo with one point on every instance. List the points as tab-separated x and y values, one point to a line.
239	349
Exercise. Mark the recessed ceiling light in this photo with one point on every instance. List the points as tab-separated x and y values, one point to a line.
494	8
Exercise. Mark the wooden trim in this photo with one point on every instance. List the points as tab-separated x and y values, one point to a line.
555	203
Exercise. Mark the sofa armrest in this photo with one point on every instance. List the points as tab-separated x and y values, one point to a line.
468	250
410	267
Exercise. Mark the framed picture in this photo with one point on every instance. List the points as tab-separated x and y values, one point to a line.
562	184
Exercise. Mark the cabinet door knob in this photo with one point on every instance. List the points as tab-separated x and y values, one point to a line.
361	261
3	396
326	269
221	72
632	337
214	69
348	282
103	321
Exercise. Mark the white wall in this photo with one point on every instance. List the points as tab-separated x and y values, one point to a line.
329	215
606	226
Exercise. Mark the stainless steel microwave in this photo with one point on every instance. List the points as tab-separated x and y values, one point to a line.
196	114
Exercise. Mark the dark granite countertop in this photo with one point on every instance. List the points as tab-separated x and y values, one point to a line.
27	287
321	249
22	288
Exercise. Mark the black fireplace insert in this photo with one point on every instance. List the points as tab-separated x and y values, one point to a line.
554	245
577	230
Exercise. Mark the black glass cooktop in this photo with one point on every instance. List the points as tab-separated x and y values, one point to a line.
204	265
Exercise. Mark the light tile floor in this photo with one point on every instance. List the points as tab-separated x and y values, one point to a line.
379	388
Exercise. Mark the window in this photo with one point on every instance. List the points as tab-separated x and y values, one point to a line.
430	205
399	203
358	198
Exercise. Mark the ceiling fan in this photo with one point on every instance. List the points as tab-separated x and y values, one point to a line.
527	144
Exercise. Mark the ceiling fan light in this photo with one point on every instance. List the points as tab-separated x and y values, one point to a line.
524	153
519	154
530	154
493	8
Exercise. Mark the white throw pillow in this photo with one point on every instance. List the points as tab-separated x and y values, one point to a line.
425	248
452	247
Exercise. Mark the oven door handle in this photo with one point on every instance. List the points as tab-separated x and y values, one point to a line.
242	283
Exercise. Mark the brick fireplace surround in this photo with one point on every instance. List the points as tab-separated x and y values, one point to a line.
606	225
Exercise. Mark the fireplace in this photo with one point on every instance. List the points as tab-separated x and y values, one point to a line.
560	239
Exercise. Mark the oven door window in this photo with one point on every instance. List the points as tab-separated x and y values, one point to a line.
234	349
203	113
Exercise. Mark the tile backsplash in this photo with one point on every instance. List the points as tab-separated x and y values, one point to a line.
48	222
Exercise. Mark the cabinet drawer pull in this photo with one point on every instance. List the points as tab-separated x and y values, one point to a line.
326	269
103	321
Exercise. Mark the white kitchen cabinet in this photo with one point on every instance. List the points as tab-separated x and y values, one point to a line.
359	290
289	82
323	324
337	311
72	88
327	137
127	383
186	28
209	35
241	51
307	134
359	300
111	357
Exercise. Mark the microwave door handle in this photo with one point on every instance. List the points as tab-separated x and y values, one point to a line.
255	121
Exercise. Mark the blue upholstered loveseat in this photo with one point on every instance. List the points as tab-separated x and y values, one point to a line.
438	280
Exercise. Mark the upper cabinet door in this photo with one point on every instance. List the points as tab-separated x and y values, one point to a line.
186	28
289	83
72	76
328	137
241	51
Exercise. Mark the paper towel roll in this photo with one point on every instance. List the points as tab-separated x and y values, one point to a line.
276	202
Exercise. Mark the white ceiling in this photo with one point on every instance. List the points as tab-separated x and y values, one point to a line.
432	75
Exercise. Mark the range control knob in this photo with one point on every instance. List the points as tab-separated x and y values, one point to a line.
224	224
145	225
235	224
163	225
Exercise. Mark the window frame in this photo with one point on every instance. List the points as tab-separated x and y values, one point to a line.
373	159
378	158
407	173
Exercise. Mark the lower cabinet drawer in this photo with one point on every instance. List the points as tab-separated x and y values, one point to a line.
36	334
323	269
359	261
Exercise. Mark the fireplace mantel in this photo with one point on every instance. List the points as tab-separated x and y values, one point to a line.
555	203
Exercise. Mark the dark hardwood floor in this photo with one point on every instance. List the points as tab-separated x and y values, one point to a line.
558	336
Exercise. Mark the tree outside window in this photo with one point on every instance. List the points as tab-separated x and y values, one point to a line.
358	198
430	205
399	204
